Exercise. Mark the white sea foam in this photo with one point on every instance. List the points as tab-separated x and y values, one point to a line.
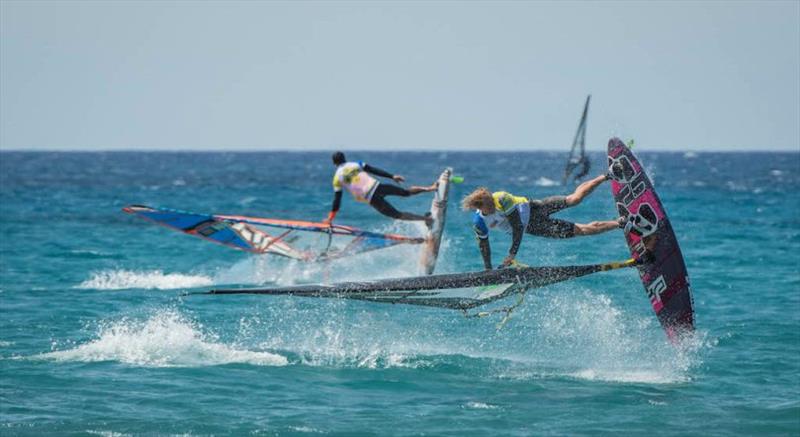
334	345
480	406
153	279
545	182
306	430
565	333
596	340
625	376
106	433
165	339
336	333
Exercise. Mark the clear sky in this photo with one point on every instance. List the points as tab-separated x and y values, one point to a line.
398	75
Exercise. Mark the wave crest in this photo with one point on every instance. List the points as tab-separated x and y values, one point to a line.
166	339
155	279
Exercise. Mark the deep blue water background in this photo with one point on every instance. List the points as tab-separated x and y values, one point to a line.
95	338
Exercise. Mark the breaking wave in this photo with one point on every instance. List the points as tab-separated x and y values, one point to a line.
166	339
149	280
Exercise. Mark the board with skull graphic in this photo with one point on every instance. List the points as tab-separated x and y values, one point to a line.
649	234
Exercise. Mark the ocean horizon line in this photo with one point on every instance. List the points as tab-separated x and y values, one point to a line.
375	150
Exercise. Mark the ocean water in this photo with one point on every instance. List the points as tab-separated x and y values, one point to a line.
96	339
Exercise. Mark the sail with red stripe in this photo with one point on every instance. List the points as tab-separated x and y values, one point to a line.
301	240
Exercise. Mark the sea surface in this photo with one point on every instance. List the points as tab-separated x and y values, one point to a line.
97	339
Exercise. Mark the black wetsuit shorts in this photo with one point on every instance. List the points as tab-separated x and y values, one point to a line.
378	202
540	222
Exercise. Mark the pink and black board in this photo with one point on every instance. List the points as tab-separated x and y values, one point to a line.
665	278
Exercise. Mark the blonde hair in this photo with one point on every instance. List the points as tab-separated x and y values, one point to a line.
474	199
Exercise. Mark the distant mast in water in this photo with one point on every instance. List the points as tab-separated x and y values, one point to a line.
577	156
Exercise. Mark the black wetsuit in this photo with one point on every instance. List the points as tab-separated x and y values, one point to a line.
378	200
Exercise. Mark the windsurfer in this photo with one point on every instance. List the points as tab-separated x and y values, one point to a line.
355	178
517	214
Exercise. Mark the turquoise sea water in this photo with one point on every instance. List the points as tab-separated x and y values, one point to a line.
96	339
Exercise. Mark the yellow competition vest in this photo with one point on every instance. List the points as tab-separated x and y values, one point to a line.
504	204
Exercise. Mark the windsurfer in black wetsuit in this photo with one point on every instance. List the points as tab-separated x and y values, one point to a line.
355	178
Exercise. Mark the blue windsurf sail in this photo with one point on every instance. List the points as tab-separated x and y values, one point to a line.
301	240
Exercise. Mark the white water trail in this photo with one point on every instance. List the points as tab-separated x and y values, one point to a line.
165	339
148	280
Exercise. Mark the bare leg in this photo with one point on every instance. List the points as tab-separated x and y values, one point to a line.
596	227
388	210
584	190
417	189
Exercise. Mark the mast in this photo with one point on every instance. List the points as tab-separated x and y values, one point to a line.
577	154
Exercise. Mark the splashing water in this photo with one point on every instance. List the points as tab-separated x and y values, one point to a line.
166	339
149	280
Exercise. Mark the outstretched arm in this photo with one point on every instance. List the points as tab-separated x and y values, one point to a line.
377	172
337	202
516	235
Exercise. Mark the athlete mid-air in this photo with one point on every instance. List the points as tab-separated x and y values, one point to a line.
517	214
355	178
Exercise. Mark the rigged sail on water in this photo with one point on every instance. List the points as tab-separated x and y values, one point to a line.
577	155
461	291
300	240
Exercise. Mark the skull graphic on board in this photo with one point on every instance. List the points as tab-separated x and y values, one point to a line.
643	222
